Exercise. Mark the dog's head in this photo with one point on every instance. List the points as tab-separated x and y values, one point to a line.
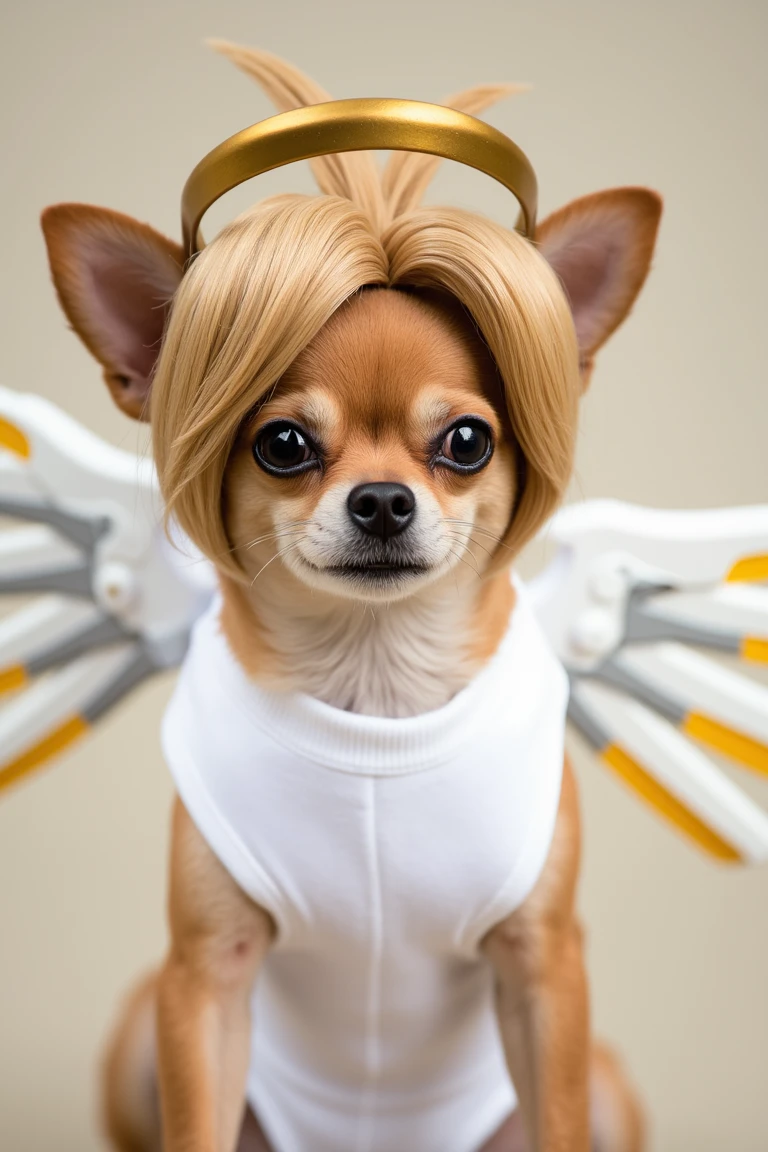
363	414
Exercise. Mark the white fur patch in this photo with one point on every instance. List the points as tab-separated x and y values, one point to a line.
398	659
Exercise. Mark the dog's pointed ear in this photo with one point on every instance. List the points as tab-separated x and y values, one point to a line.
115	279
601	247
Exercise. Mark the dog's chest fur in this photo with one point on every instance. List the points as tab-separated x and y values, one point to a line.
395	660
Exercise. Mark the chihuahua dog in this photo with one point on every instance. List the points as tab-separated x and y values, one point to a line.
361	410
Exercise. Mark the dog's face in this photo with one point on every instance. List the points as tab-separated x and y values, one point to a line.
382	462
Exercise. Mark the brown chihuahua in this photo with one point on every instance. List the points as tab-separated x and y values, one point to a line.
361	410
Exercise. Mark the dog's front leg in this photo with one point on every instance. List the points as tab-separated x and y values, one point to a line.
542	1000
218	939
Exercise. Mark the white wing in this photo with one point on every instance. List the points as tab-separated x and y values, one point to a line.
112	603
631	599
628	595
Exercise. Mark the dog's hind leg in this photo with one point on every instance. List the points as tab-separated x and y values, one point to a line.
130	1101
617	1119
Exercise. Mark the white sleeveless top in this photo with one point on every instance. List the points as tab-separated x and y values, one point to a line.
384	849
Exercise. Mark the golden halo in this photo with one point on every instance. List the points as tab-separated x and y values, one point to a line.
352	126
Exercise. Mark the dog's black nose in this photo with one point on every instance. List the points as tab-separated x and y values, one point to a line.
381	509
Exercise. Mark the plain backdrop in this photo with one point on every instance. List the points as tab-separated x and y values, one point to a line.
113	102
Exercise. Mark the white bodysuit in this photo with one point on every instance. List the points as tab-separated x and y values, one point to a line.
384	849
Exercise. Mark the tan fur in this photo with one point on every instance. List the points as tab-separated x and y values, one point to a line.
373	322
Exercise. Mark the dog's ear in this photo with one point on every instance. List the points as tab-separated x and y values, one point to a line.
115	279
601	248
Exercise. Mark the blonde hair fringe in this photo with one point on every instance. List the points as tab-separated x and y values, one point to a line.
258	294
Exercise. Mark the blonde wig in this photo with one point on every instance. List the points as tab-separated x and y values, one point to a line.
259	293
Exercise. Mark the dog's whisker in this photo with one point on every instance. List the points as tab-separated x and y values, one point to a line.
469	536
458	556
471	524
475	528
291	526
455	577
472	528
463	560
243	547
463	541
281	552
271	536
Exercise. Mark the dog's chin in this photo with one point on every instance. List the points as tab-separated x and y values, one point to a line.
370	581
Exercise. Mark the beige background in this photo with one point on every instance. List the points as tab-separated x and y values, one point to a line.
113	101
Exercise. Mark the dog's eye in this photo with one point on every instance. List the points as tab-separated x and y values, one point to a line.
284	448
468	445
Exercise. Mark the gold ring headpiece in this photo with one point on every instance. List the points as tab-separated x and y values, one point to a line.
353	126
